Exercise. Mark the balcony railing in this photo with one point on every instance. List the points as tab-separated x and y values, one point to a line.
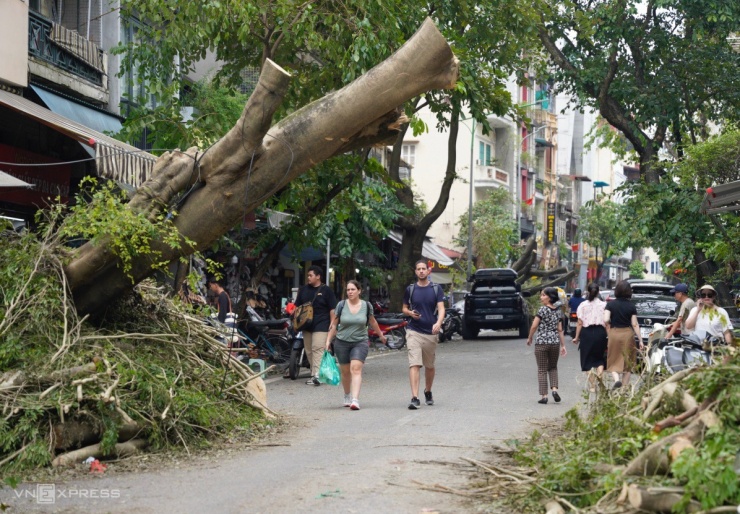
65	49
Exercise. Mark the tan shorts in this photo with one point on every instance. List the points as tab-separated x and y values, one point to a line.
422	348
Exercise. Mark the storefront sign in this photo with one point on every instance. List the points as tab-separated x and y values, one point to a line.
550	222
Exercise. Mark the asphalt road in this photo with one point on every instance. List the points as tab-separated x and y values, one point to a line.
333	460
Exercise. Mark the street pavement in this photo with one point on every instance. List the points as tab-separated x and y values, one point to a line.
333	460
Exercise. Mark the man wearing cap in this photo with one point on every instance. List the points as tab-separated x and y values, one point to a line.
680	293
707	318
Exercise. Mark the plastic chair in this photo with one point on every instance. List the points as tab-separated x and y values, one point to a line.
260	363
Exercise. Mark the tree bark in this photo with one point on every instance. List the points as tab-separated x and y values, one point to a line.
252	161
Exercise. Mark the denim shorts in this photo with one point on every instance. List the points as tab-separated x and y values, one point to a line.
345	352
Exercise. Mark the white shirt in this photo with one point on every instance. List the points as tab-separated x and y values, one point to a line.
714	321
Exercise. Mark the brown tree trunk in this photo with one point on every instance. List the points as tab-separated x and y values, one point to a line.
414	231
253	161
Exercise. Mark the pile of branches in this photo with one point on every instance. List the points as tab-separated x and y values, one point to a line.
153	377
669	445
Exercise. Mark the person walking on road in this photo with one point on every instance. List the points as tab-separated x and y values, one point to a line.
708	319
315	332
349	324
548	324
423	302
620	317
680	293
591	335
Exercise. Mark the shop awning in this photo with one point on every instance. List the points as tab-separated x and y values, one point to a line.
440	278
428	249
83	115
9	181
114	159
722	198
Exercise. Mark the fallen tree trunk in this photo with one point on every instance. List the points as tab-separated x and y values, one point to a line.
252	161
120	451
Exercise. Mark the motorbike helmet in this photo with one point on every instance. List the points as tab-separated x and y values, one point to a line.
577	292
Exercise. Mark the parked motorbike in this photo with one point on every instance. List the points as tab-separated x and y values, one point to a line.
670	355
298	357
451	323
394	330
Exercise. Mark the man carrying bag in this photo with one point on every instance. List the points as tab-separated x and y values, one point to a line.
316	303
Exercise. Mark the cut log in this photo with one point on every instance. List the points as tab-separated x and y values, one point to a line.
553	507
74	434
654	460
650	500
680	444
120	451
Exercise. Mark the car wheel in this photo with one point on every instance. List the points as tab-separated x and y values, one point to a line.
524	328
469	332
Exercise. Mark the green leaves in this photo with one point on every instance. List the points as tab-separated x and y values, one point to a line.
102	215
494	230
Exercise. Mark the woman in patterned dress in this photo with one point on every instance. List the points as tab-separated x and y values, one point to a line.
548	323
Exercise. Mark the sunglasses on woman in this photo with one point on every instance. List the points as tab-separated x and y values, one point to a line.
706	295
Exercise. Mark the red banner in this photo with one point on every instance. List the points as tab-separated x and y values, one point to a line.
50	181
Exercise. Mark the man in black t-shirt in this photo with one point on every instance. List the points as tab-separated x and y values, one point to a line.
315	332
222	298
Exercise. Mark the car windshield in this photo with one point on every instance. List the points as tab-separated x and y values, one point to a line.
651	305
493	289
654	288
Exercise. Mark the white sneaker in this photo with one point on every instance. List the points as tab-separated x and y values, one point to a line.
355	405
347	400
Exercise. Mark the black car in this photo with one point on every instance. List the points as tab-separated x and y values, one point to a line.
495	301
653	309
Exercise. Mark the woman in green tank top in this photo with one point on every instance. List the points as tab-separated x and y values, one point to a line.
349	323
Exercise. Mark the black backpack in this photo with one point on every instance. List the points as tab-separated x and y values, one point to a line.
436	287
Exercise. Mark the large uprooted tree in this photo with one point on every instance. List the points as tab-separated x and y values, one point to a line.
253	160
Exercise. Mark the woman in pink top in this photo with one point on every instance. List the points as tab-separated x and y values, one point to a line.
591	335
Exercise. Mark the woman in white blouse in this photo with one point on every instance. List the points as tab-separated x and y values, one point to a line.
591	335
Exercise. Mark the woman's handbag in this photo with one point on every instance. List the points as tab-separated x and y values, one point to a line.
328	370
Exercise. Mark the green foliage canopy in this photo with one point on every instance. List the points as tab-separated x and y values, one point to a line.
657	71
494	230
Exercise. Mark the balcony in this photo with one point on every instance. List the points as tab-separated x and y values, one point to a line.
65	49
490	176
542	117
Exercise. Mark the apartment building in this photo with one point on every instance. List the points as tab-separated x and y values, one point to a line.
60	101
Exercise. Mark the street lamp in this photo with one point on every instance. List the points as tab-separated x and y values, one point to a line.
470	203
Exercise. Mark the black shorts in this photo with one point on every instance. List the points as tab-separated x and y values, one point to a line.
346	352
